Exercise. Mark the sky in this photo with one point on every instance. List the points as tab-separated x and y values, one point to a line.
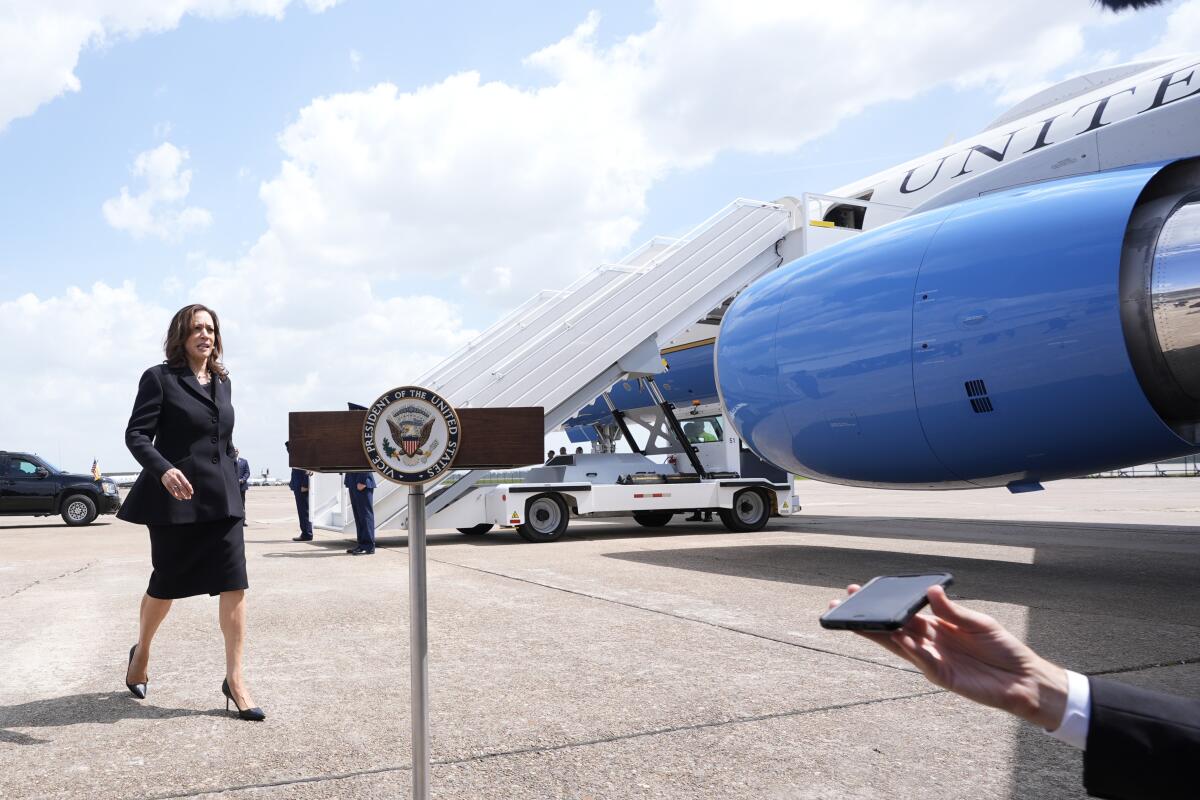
359	187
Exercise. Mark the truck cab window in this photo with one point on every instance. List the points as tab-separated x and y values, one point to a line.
699	431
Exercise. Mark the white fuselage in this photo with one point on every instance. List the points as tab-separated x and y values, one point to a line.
1131	114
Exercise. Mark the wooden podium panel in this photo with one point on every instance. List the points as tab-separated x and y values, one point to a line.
492	438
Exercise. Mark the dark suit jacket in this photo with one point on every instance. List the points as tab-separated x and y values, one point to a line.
176	423
353	479
1141	743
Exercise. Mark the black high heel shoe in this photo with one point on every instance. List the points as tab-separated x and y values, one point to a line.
249	714
138	690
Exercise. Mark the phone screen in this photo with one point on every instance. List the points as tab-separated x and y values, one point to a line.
884	603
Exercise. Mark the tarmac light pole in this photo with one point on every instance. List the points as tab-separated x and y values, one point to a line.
418	641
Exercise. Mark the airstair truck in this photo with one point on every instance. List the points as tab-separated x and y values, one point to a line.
695	477
572	349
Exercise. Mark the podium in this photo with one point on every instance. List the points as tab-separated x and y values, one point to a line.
411	435
492	438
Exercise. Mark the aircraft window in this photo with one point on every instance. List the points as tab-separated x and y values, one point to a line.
699	431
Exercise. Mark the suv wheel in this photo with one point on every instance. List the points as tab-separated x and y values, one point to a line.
78	509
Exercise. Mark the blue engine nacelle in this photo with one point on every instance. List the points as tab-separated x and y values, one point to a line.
1042	332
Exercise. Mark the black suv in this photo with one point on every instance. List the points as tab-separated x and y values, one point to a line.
31	487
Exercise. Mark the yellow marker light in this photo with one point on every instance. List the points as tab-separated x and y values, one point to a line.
820	223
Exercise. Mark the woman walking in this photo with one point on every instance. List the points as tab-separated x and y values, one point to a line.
181	432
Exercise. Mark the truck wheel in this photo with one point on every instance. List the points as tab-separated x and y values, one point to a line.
476	530
78	509
750	512
546	518
652	519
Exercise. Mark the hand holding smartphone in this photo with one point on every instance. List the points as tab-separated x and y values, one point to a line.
885	603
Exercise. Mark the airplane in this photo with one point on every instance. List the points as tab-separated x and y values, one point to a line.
1019	307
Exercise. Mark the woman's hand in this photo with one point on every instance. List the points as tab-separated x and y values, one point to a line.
973	655
178	486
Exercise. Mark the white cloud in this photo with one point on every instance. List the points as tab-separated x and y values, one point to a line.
355	60
508	189
68	387
313	335
288	347
769	76
158	210
41	41
1182	34
456	179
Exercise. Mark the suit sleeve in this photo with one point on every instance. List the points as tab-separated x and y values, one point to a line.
143	425
1141	743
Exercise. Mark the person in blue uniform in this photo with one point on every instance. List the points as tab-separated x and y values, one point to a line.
243	469
299	486
362	501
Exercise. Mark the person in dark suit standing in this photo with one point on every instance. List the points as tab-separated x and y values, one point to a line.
187	494
243	472
299	486
362	501
1137	743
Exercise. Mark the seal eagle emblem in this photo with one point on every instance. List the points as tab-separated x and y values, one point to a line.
411	427
410	435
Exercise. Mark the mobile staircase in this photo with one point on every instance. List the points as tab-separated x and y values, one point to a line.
562	349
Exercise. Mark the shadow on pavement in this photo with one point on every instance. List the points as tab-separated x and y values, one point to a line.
1000	531
501	538
605	530
75	709
1085	580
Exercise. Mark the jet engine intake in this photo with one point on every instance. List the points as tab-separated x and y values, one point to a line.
1160	294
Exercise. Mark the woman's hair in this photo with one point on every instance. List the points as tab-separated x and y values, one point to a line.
181	328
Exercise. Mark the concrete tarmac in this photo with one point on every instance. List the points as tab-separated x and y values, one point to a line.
617	663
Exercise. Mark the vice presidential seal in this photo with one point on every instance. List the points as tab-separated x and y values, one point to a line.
410	435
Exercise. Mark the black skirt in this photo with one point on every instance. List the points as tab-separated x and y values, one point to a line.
197	558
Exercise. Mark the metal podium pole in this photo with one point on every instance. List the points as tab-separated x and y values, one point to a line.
418	641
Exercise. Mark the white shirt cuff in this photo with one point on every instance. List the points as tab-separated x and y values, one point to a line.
1074	726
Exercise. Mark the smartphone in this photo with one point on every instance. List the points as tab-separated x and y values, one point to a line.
885	603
